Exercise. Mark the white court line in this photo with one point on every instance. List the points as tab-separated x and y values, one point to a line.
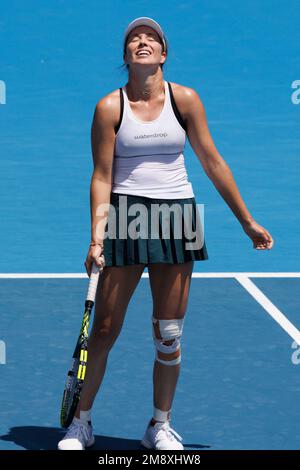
195	275
43	275
232	275
272	310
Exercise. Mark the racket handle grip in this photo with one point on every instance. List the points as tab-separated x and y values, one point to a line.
91	294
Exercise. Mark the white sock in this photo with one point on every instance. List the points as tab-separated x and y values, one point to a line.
85	417
161	416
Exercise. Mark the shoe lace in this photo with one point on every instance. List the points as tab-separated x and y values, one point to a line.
77	430
167	430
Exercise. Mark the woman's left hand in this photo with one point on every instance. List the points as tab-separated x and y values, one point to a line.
262	240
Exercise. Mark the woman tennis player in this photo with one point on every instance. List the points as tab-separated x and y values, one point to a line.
138	137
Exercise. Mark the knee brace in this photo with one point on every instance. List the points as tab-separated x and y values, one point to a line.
166	337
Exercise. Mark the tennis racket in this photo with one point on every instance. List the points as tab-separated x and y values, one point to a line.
77	370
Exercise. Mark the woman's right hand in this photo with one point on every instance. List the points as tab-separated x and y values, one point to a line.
95	255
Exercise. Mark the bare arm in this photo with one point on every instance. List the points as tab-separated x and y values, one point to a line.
218	170
102	142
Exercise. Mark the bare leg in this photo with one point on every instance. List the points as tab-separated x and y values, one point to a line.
170	286
116	286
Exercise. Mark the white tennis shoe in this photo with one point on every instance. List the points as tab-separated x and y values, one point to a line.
78	437
162	437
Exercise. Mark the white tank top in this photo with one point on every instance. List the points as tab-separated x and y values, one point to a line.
148	155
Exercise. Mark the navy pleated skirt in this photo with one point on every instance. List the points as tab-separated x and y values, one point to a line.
143	230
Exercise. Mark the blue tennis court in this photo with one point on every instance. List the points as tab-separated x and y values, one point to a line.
240	381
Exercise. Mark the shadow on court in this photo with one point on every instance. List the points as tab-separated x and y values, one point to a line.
40	438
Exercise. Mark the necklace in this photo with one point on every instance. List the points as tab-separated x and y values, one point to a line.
147	92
